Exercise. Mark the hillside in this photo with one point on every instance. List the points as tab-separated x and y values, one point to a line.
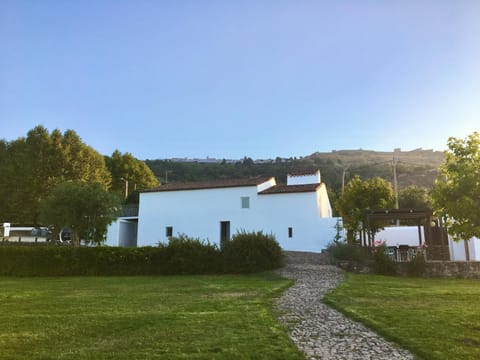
417	167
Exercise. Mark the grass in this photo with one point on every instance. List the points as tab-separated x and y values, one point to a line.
434	318
168	317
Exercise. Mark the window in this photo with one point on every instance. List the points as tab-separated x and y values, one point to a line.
290	232
169	231
245	202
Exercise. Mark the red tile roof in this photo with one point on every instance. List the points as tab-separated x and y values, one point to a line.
213	184
284	189
302	173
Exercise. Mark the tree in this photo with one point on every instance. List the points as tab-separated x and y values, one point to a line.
359	196
129	174
413	197
84	207
34	165
456	195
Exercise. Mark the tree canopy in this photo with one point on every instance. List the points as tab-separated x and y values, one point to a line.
413	197
33	165
84	207
361	195
129	174
456	195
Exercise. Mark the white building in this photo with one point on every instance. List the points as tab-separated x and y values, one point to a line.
298	214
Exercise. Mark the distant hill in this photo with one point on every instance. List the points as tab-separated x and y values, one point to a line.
417	167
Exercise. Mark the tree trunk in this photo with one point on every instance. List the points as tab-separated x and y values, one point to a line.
75	239
350	236
467	250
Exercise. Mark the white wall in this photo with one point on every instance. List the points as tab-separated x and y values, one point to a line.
457	249
112	233
300	212
198	213
323	202
128	233
122	232
401	235
475	251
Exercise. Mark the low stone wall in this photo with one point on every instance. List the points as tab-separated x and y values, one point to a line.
301	257
353	266
447	269
453	269
443	269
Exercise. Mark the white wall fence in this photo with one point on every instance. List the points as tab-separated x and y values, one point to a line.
26	234
409	235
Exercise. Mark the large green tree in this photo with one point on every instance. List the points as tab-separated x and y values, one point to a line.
360	196
129	174
84	207
413	197
456	195
34	165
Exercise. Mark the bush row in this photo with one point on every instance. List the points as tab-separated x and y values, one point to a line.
245	253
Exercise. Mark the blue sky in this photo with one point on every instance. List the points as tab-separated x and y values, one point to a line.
227	79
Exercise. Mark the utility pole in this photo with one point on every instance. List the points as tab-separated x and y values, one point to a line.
343	179
166	175
395	181
395	184
126	186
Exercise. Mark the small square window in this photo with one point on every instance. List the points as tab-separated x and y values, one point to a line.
245	202
290	232
169	231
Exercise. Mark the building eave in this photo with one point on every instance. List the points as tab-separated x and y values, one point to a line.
206	185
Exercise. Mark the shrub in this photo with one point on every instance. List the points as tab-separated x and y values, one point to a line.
348	252
187	255
249	252
382	263
417	266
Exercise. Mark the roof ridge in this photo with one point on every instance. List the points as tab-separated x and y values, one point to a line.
303	172
284	188
210	184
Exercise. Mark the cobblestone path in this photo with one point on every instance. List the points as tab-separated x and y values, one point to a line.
318	330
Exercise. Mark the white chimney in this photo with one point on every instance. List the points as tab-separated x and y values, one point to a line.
304	178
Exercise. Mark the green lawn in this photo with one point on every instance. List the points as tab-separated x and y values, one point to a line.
164	317
434	318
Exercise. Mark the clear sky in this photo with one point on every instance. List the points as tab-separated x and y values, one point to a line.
228	79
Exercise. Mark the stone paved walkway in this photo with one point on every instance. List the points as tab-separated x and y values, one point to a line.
318	330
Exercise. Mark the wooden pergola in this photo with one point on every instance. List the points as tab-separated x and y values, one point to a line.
418	216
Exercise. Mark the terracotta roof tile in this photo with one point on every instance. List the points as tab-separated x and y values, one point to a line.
212	184
302	172
284	189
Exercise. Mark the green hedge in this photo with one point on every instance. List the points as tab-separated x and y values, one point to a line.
182	255
252	252
185	255
65	260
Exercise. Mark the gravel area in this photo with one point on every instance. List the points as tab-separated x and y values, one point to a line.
318	330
